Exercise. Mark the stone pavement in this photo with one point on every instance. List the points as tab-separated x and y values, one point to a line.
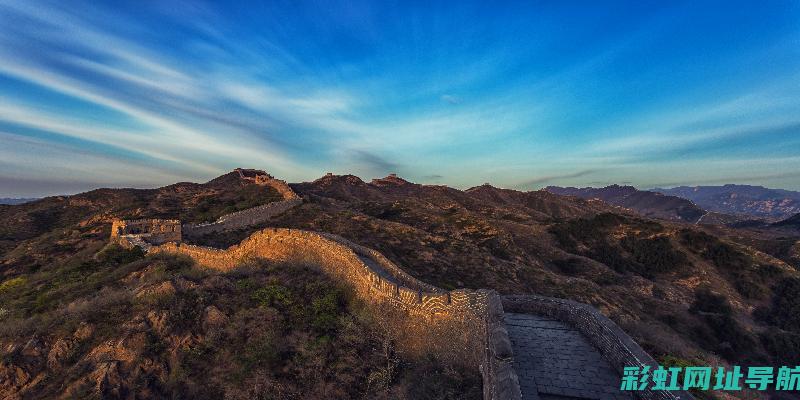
378	269
554	361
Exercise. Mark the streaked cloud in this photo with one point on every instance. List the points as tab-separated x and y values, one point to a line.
541	180
104	93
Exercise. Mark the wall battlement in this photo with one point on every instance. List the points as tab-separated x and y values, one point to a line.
241	219
370	274
470	322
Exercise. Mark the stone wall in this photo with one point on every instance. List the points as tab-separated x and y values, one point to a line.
262	178
500	380
154	231
612	342
338	258
466	325
241	219
250	216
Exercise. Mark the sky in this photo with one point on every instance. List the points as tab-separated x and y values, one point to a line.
520	95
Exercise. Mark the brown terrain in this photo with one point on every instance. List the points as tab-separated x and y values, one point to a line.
81	318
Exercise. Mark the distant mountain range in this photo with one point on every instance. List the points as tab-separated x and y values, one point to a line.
646	203
752	201
12	201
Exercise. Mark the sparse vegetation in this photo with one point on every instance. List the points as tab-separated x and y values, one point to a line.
638	252
263	328
785	308
194	333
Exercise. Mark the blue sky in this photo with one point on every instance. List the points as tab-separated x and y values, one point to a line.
527	95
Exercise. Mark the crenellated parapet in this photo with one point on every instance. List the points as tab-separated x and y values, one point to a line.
371	274
242	219
472	319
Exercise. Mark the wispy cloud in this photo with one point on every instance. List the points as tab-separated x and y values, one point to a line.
189	90
540	180
371	163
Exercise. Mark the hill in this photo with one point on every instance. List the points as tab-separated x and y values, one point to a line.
646	203
752	201
688	294
651	276
84	319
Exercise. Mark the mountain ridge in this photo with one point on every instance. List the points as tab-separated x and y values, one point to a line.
749	200
646	203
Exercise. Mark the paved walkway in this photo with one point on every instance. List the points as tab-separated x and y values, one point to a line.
378	269
554	361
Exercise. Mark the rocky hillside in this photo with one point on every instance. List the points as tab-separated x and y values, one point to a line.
685	292
82	319
752	201
689	294
646	203
86	217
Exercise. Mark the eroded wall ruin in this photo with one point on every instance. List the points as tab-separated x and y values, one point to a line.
153	231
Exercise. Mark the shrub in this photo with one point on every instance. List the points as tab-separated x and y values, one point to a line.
118	255
782	346
613	257
734	343
431	380
186	308
657	255
726	336
723	255
325	311
785	309
570	266
12	284
273	295
707	301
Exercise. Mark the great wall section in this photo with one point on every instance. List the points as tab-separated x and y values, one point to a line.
525	346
